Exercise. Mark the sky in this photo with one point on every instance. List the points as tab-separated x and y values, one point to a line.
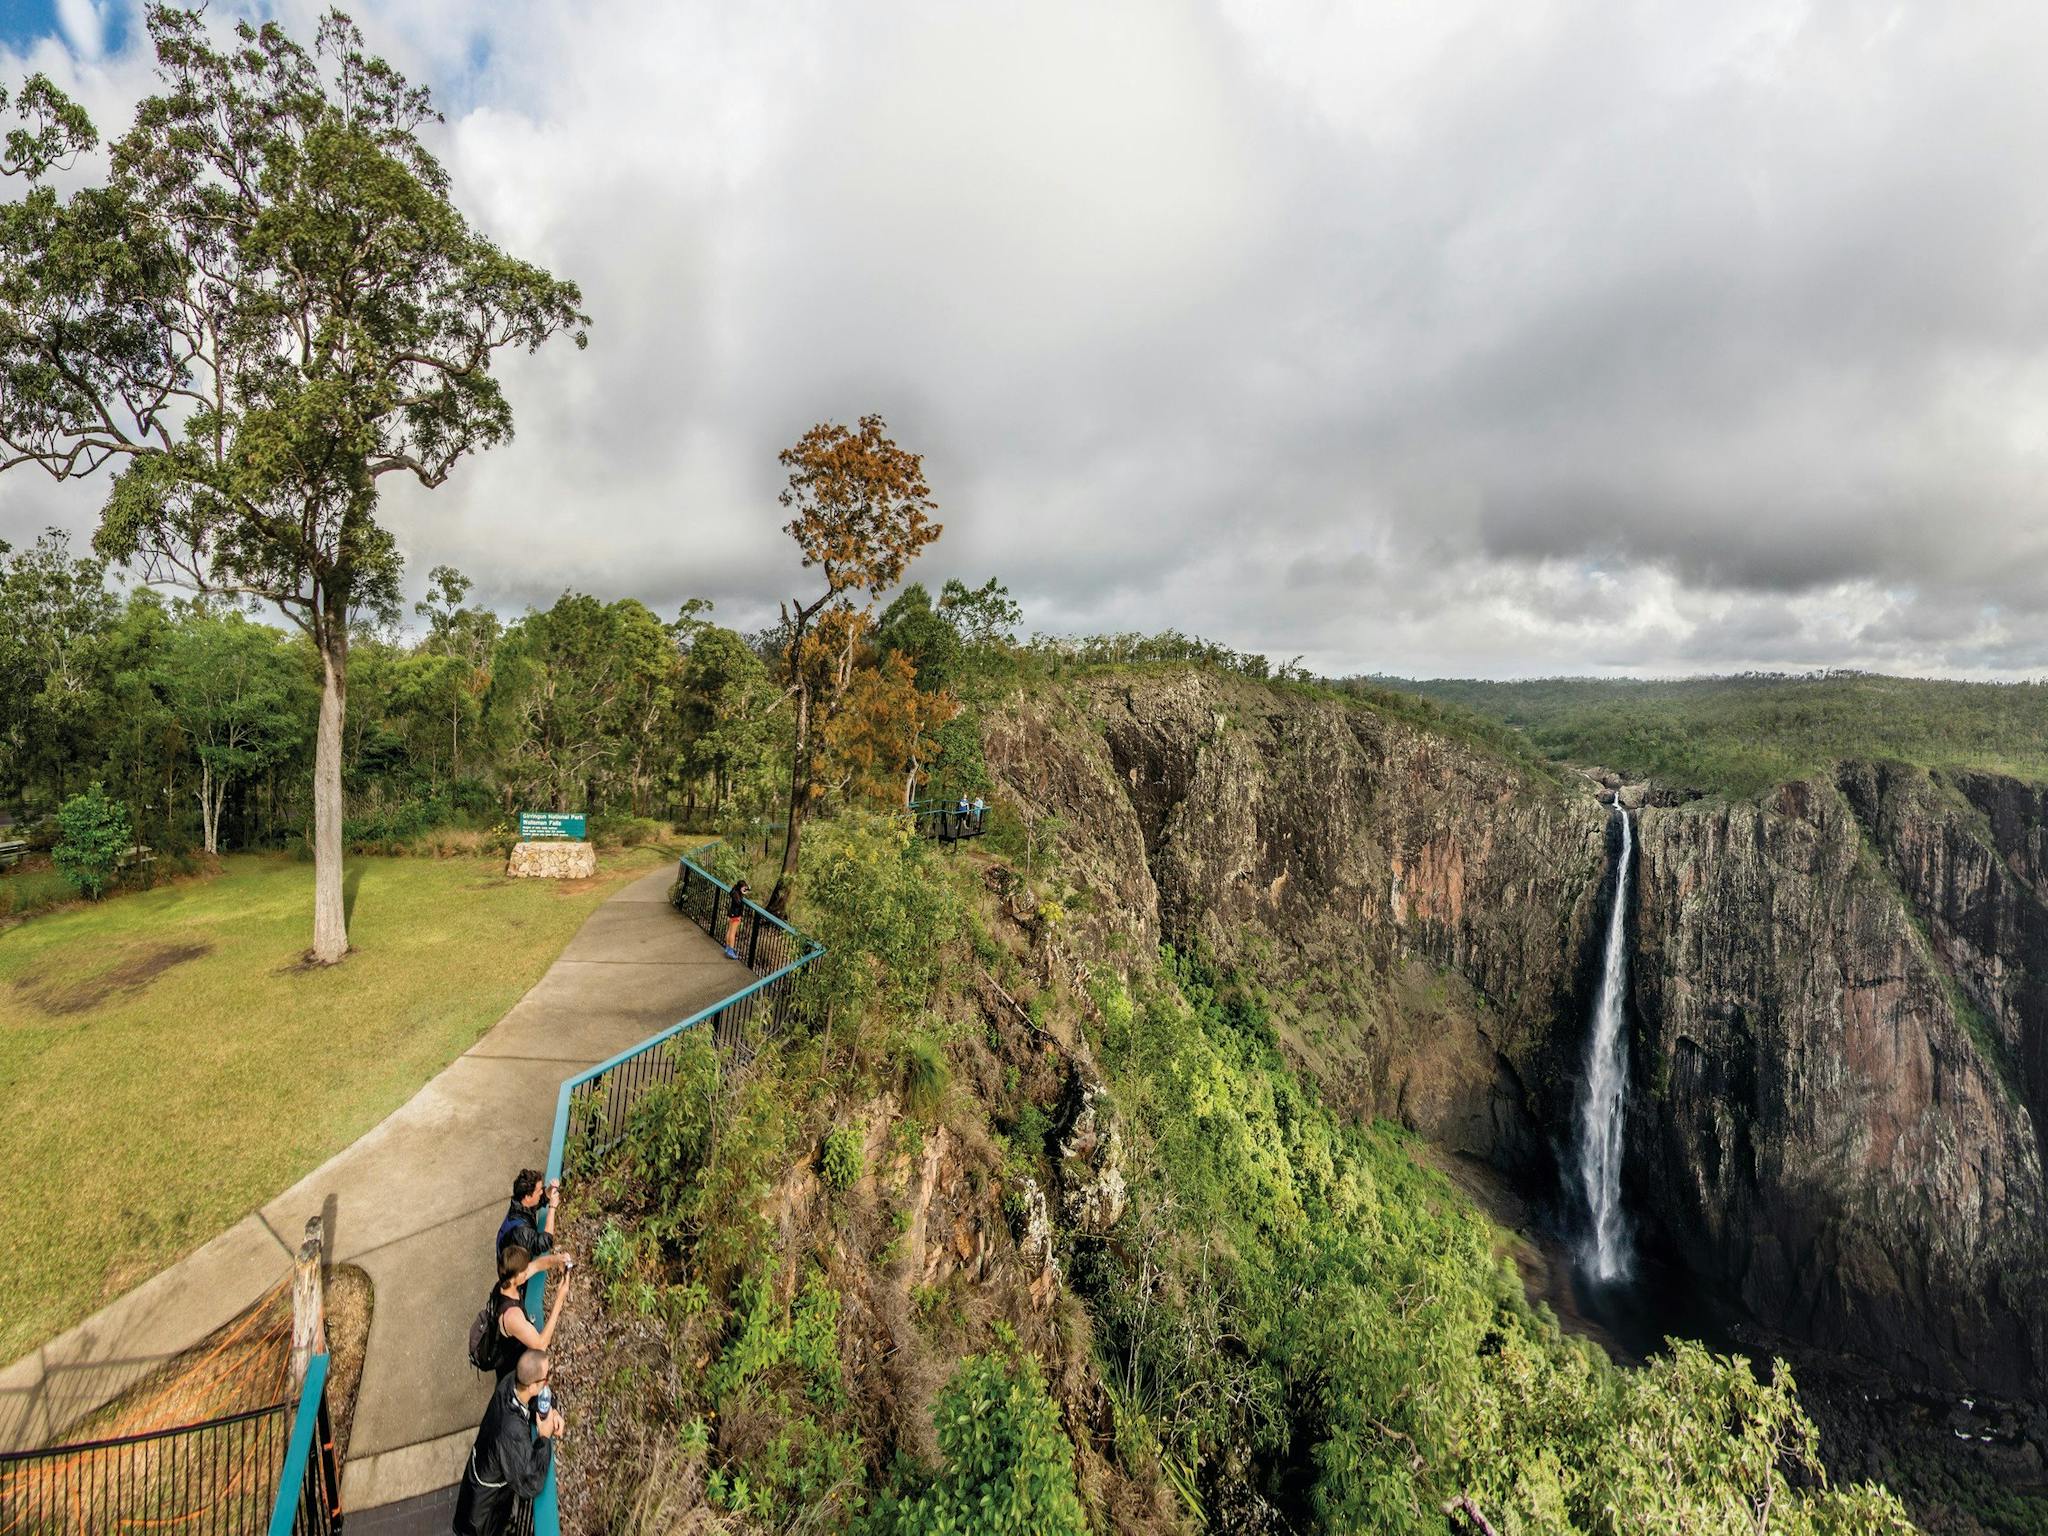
1443	338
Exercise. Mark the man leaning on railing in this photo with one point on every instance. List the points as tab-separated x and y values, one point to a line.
515	1446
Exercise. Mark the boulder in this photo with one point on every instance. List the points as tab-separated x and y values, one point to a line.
552	860
1090	1171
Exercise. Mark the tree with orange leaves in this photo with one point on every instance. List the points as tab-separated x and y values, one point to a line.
862	513
884	735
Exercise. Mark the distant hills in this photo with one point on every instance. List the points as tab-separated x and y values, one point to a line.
1741	735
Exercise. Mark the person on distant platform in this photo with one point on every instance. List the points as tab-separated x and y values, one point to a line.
515	1444
735	909
980	809
512	1329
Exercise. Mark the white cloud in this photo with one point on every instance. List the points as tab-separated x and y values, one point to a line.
1419	337
83	28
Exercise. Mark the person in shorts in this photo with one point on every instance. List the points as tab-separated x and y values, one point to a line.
735	909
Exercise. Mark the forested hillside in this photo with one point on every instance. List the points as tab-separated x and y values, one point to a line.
1741	735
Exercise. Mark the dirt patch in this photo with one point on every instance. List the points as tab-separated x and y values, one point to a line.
348	1339
131	977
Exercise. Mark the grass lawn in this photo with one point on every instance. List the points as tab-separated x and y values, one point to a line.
167	1064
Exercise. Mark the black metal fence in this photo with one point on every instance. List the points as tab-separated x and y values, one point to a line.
948	823
316	1506
219	1478
595	1106
764	943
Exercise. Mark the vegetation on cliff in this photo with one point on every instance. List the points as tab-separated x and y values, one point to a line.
1280	1322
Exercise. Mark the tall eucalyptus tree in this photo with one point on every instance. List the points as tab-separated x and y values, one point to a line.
269	305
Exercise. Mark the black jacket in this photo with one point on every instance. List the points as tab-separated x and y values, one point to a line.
508	1462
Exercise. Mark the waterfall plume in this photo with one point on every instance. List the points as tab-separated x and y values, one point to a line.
1604	1253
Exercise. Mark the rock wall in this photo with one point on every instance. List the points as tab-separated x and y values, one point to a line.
552	860
1840	993
1421	908
1823	1133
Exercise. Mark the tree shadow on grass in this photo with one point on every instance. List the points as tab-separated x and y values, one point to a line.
349	882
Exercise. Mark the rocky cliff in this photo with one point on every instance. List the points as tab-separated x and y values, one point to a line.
1831	998
1420	907
1841	993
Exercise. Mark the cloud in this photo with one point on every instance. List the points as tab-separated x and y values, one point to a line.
1425	337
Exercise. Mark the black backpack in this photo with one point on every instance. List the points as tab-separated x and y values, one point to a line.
484	1335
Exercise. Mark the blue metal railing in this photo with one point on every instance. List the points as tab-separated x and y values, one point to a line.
309	1489
775	953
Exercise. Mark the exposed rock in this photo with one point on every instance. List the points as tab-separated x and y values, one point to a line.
1831	1138
1090	1161
1033	1225
1632	797
1425	906
552	860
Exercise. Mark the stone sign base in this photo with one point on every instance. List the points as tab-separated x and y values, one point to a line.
552	860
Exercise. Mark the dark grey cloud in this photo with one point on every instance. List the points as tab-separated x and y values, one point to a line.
1445	337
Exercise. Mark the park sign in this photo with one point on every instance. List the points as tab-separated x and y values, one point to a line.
534	824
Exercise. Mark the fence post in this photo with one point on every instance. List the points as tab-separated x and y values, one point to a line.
753	940
309	1305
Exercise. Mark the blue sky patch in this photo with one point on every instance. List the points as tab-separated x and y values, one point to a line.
23	23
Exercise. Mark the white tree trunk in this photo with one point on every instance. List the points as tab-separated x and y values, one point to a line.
209	807
330	918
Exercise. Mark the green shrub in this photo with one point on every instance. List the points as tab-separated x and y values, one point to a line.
93	835
669	1128
921	1074
842	1162
1008	1467
874	897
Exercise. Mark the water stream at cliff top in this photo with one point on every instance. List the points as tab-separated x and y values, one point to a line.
1604	1254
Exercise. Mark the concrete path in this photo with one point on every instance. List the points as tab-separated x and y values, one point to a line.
415	1203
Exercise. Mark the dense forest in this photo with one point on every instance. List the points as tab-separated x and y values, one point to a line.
1741	735
198	717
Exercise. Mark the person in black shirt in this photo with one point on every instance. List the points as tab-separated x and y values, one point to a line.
510	1326
515	1444
530	1218
734	911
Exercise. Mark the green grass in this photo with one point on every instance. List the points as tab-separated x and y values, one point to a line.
1743	735
167	1064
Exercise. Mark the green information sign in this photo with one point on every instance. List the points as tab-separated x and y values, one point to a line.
534	824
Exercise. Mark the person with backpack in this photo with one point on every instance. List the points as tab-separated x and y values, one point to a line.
735	909
530	1218
502	1331
515	1444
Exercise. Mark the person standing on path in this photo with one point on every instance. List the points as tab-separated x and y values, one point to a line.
735	909
513	1329
515	1445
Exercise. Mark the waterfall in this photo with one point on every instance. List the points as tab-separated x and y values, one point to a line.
1605	1253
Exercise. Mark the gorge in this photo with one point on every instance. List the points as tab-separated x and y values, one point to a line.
1841	1059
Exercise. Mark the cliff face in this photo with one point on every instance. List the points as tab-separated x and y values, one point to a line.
1421	907
1826	1131
1840	995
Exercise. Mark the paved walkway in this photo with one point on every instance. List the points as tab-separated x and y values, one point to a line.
415	1203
